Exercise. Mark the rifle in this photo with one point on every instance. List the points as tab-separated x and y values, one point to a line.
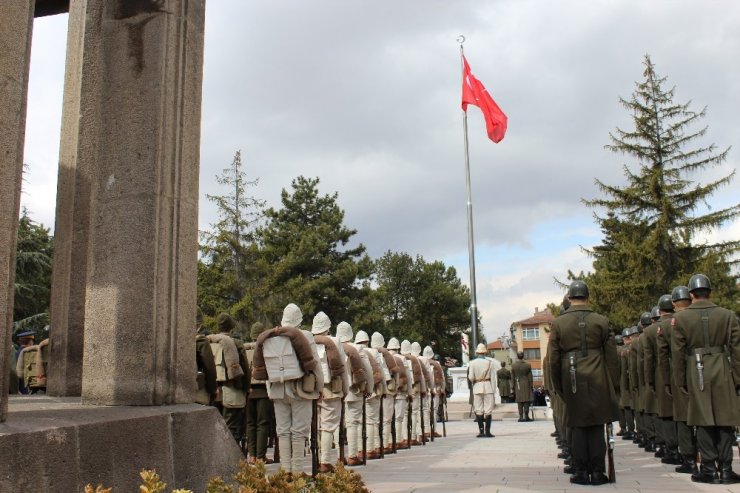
408	424
432	418
275	441
342	434
393	428
421	417
380	429
444	414
314	438
364	431
610	451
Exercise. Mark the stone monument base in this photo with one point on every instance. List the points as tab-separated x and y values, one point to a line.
52	444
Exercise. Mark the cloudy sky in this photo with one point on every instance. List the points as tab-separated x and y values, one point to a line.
366	96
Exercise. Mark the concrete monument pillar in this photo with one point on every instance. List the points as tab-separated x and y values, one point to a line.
77	154
143	237
15	46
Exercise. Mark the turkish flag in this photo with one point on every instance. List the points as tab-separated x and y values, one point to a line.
474	93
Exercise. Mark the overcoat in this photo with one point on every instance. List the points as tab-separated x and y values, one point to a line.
680	400
650	361
586	336
625	391
504	382
654	361
637	374
717	340
522	380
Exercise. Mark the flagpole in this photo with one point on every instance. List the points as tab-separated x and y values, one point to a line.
471	243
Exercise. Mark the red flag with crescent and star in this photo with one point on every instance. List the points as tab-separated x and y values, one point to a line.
474	93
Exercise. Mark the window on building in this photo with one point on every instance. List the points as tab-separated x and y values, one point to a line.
532	354
536	373
531	334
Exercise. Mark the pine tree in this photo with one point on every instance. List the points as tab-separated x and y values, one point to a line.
306	246
229	270
32	274
652	222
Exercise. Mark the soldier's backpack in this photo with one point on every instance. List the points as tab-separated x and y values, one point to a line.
281	358
33	377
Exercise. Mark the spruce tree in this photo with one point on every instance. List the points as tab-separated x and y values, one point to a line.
32	274
652	221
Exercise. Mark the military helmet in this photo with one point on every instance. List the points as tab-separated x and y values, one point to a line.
618	340
481	349
578	289
416	348
626	332
655	313
225	322
321	323
428	352
405	347
566	303
292	316
699	281
665	303
393	343
361	336
645	319
256	329
344	332
635	329
680	293
377	340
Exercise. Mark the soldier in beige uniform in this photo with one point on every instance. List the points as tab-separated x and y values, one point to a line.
426	400
482	378
336	380
709	336
390	375
372	412
353	402
417	391
438	389
293	398
405	381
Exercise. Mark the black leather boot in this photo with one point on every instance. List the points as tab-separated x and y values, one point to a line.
479	420
565	454
598	478
672	457
727	475
488	427
580	477
688	466
660	452
707	474
650	445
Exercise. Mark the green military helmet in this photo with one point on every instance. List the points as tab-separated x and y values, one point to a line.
566	303
680	293
636	329
618	340
655	313
256	329
225	322
626	332
665	303
645	320
578	289
699	281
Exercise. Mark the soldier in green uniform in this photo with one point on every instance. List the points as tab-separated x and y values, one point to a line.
645	402
585	372
504	383
709	336
619	341
625	391
205	366
521	373
657	381
686	439
259	412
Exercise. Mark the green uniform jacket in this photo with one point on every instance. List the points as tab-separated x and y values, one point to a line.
625	391
653	383
658	362
504	382
718	404
665	357
597	373
641	385
634	375
521	373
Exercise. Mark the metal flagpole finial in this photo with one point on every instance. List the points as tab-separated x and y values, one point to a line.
461	39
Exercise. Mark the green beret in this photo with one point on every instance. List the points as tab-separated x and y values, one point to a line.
225	322
256	330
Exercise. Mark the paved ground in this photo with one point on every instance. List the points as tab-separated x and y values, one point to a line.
522	457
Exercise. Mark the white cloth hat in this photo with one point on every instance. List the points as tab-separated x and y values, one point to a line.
405	347
393	343
321	323
344	332
428	352
415	348
377	340
361	336
481	349
292	316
